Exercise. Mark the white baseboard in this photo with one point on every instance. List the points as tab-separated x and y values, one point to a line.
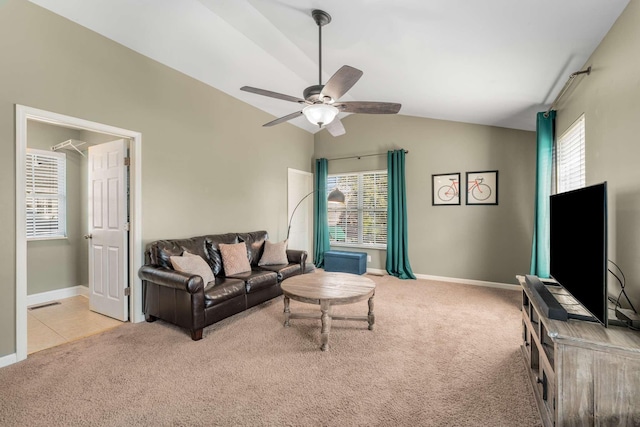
7	360
512	287
63	293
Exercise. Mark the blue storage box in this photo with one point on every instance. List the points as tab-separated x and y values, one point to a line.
345	262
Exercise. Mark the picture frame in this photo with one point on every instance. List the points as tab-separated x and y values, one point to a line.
445	189
482	187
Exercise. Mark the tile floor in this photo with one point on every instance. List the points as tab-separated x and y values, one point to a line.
61	323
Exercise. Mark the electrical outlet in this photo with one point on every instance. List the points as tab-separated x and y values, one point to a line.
368	258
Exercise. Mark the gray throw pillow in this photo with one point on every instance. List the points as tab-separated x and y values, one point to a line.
274	253
193	264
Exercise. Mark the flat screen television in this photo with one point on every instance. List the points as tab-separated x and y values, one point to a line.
578	246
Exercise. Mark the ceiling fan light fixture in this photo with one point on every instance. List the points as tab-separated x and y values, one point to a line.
320	114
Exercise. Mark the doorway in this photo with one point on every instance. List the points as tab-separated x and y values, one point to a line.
23	116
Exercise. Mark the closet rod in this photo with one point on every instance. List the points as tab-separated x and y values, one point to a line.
364	155
566	87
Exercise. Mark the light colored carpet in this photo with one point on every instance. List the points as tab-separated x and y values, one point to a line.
441	354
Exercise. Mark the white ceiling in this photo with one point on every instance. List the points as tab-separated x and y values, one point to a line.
492	62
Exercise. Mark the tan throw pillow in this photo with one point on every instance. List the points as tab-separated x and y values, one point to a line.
234	258
193	264
274	253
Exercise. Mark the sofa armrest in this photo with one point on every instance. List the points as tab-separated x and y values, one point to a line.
296	256
174	279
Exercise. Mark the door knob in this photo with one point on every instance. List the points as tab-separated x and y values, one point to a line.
88	236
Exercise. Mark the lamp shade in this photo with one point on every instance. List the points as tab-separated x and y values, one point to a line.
320	114
336	196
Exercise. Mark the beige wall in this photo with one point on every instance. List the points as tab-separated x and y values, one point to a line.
55	264
208	166
610	100
490	243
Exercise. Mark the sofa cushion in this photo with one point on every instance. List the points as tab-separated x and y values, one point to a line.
193	264
234	258
223	289
274	253
284	271
257	279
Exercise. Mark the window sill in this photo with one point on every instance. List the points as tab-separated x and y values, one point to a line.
355	245
36	239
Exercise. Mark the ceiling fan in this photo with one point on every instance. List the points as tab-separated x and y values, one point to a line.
321	102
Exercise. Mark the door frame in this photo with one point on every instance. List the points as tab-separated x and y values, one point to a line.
304	180
23	114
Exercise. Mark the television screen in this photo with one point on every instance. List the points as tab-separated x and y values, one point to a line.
578	246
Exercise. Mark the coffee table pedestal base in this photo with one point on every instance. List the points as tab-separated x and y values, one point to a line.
326	318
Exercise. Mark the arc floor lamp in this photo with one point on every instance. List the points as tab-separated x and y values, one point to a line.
335	196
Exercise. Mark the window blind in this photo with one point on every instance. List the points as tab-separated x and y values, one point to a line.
362	220
45	194
374	208
570	154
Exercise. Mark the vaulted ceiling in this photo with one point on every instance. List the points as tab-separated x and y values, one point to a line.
492	62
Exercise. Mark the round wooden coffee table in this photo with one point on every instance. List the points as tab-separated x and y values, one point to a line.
326	290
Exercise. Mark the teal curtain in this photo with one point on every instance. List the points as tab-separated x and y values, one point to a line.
545	129
397	242
320	220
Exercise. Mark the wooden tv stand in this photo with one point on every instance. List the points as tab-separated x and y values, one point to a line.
582	373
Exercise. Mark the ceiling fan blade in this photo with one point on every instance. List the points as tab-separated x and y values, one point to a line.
283	119
369	107
341	82
336	128
272	94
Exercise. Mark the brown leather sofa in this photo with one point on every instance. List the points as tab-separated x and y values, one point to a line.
184	300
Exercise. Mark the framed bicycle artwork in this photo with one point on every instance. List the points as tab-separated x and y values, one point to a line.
445	189
482	188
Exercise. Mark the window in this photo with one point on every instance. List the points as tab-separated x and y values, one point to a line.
45	194
570	170
362	219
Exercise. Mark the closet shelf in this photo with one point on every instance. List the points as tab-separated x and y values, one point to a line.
70	144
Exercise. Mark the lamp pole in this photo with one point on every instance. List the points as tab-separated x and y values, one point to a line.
294	212
334	196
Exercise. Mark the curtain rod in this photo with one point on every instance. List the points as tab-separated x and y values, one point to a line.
566	87
364	155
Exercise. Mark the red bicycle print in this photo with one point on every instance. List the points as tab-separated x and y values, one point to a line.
446	193
478	190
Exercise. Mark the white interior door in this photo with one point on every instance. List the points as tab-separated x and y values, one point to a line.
108	235
300	183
